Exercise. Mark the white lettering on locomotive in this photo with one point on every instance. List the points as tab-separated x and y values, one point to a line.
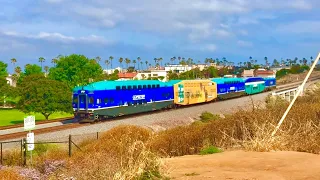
138	97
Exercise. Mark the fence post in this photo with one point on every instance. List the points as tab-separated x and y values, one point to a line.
24	151
21	152
1	154
97	135
70	145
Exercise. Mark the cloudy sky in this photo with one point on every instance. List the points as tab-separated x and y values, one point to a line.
235	29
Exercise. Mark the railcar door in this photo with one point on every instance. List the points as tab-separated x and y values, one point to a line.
83	102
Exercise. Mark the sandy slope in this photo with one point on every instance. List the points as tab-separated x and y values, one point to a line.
240	165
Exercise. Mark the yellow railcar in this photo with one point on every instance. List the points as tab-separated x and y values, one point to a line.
189	92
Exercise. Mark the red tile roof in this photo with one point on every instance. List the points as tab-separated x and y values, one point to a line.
127	75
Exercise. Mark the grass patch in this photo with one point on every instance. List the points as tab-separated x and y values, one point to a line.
14	116
210	150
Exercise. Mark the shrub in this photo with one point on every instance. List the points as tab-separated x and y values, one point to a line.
210	150
207	116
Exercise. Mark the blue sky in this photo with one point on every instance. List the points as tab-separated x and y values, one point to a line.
235	29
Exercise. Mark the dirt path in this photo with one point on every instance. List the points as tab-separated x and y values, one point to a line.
240	165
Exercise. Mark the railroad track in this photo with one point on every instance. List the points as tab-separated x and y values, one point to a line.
72	125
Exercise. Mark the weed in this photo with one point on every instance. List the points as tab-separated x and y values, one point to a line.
207	116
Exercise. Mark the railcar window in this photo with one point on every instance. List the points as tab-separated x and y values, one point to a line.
158	85
117	87
139	87
129	87
134	87
153	86
91	100
98	101
111	100
144	86
149	86
106	100
124	87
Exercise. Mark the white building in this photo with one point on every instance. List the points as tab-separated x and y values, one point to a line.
177	68
110	71
10	81
152	74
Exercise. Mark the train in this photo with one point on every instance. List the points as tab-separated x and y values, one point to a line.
108	99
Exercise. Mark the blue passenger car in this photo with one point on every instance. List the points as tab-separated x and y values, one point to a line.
270	83
104	99
229	87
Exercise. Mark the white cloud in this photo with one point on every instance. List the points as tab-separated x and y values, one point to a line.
244	43
300	27
57	37
211	47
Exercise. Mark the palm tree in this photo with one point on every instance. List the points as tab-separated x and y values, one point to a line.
127	61
120	61
149	65
41	60
98	59
171	59
141	65
300	61
146	64
107	62
14	61
54	61
139	59
134	63
266	60
179	58
110	59
17	70
46	69
311	60
304	61
160	60
174	59
155	61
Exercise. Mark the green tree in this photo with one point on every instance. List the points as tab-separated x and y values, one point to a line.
3	70
45	96
32	69
75	70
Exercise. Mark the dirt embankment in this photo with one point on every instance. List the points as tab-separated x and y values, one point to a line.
240	165
291	78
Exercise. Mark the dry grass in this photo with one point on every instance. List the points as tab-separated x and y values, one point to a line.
250	130
9	173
